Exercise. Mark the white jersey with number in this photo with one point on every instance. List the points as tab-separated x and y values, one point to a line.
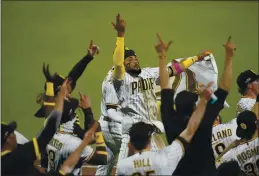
245	104
223	135
247	156
138	94
61	146
162	162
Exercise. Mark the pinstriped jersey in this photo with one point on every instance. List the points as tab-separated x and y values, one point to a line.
162	162
138	94
245	103
110	98
247	156
61	146
222	136
109	95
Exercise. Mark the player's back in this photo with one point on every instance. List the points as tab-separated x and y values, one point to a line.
60	147
245	103
162	162
223	135
247	156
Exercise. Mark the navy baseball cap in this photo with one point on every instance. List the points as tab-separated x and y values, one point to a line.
246	78
246	124
6	130
128	52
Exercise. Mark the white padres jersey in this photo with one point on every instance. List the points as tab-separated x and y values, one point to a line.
247	156
162	162
61	146
138	94
245	104
223	135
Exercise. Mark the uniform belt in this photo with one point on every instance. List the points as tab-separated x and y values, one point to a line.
106	118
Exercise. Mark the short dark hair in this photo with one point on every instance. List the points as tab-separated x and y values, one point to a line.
185	102
242	91
230	168
140	134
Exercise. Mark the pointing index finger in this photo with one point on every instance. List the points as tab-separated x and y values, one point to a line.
118	18
91	44
229	38
159	38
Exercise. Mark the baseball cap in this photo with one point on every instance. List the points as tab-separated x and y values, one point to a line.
128	52
246	124
6	130
245	78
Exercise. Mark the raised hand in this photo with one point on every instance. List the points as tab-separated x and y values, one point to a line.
119	26
207	92
230	48
202	55
93	49
84	101
162	47
90	134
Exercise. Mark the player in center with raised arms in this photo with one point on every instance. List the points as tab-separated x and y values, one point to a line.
137	86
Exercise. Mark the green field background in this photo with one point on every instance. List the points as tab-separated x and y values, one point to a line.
58	33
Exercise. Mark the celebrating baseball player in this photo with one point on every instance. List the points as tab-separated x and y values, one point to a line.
248	87
137	85
164	161
246	150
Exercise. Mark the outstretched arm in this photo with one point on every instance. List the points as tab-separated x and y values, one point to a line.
79	68
225	81
197	115
118	55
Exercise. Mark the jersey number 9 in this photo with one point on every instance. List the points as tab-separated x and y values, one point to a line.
52	160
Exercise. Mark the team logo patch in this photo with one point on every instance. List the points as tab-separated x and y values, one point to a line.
243	126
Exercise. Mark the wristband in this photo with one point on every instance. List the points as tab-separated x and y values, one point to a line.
49	104
177	67
99	137
49	89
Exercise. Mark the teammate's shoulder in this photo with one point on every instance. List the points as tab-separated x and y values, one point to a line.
124	162
244	99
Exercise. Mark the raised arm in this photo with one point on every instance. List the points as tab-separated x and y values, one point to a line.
225	81
118	55
54	118
79	68
197	115
168	114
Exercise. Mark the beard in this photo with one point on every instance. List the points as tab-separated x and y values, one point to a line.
134	72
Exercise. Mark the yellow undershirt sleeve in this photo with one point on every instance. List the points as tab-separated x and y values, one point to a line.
118	59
